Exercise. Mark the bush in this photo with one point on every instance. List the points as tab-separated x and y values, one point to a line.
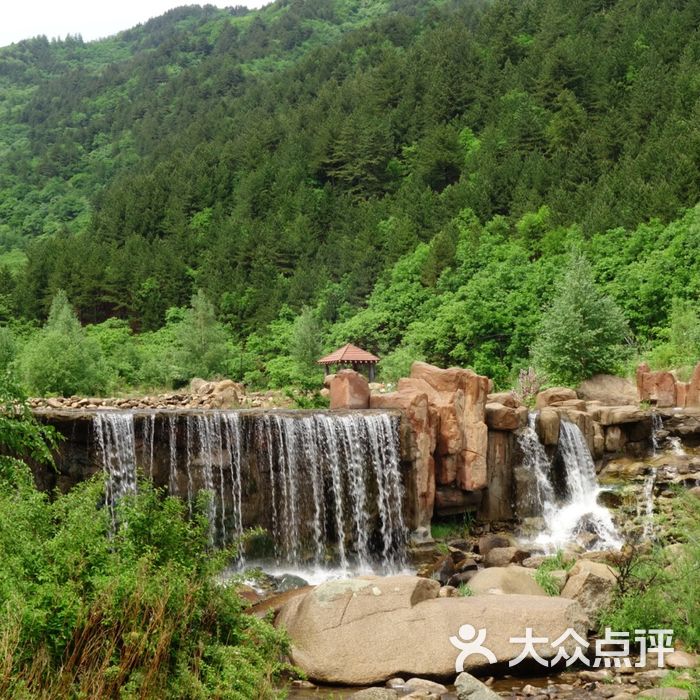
61	358
655	592
135	615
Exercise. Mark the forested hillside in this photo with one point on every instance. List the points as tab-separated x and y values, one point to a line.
408	175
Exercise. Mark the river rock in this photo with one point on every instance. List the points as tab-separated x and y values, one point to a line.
364	631
502	556
470	688
349	389
591	584
554	395
615	438
506	580
375	694
491	541
413	684
682	659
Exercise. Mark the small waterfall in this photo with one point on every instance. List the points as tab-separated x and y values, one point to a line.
569	518
676	446
657	425
648	514
535	460
331	483
582	513
116	445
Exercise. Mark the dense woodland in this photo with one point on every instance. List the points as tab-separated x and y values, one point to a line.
231	192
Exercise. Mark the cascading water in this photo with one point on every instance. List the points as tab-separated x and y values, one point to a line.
116	444
657	425
331	483
567	519
535	460
648	514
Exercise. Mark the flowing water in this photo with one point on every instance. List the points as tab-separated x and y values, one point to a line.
331	483
648	512
577	514
657	425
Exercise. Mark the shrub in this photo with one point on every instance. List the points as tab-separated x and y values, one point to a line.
653	592
61	358
135	615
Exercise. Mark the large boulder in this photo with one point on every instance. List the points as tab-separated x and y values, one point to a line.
657	387
554	395
365	631
349	389
505	580
502	556
609	390
500	417
591	584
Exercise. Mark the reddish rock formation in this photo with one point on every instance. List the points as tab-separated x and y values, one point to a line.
451	442
693	394
349	389
554	395
658	388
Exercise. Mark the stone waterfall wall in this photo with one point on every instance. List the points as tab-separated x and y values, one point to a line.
444	437
315	480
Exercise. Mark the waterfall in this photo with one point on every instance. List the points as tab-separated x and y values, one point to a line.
535	460
568	518
657	425
648	514
330	483
116	445
673	443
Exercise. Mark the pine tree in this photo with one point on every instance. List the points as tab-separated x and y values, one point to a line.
583	332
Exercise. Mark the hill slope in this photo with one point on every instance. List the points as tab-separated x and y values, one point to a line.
353	155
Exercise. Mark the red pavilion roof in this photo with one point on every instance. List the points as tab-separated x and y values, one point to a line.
348	353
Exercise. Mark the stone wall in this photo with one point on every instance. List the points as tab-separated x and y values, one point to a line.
665	390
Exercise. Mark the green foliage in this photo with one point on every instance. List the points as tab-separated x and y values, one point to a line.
306	341
583	332
414	173
656	592
138	614
201	340
543	575
464	590
456	527
681	349
61	358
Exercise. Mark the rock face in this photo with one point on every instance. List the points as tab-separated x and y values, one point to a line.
692	399
445	413
365	631
608	390
349	389
591	585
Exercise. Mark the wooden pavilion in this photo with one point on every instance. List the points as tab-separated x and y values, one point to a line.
351	356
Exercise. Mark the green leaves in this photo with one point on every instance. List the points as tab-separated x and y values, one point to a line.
583	332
